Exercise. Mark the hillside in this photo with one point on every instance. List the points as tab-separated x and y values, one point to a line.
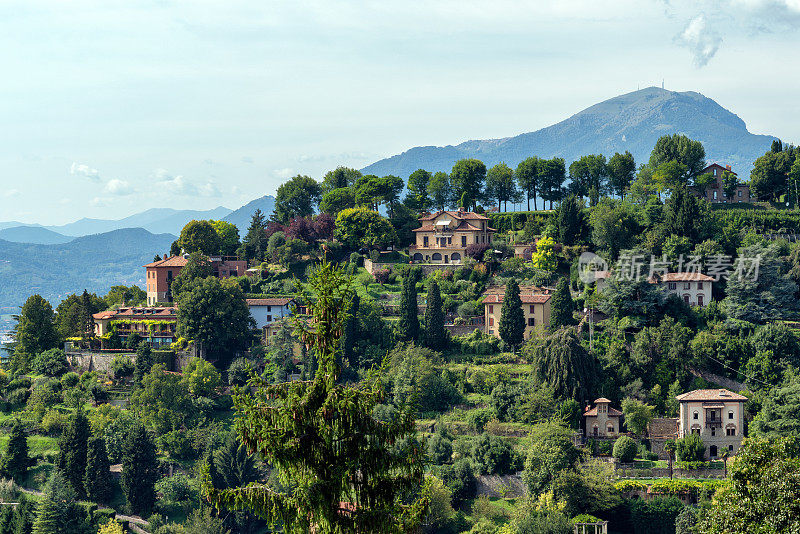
33	234
155	220
94	262
241	217
633	122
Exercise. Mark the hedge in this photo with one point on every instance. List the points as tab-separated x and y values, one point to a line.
515	220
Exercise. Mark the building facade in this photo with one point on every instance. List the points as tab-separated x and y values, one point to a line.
715	193
267	312
535	308
156	325
445	235
602	420
693	288
161	273
716	415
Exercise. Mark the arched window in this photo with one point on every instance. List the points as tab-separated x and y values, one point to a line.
610	428
436	256
696	415
455	257
418	257
730	430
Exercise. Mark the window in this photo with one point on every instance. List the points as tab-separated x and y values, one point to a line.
730	431
610	429
463	241
686	299
713	431
449	240
672	285
425	241
730	415
696	431
687	285
269	318
713	415
699	300
491	321
730	448
699	285
531	308
715	195
491	308
531	321
696	415
269	308
739	193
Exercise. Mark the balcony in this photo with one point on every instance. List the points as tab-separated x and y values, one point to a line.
713	424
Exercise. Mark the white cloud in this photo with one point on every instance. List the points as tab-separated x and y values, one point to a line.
180	185
701	39
11	193
98	202
81	169
118	187
283	173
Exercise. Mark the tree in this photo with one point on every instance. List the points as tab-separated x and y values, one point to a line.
589	176
549	452
761	493
780	413
337	200
97	478
228	236
670	447
561	362
637	415
123	296
408	323
512	318
435	333
467	178
691	448
361	227
500	185
144	361
730	181
324	442
439	190
58	513
200	236
139	471
34	332
552	173
72	448
682	150
163	401
703	182
201	378
769	177
215	314
527	174
16	461
570	220
197	267
794	182
561	306
621	169
417	197
625	449
296	198
492	455
51	362
254	244
339	178
544	257
614	226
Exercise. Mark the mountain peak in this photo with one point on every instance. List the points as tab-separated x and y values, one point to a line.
631	121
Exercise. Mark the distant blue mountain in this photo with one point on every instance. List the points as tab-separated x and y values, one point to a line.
241	217
155	220
632	122
33	234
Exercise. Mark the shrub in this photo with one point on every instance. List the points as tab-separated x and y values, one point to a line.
122	366
604	447
70	380
53	422
51	362
690	449
460	479
625	449
656	515
492	455
382	276
477	419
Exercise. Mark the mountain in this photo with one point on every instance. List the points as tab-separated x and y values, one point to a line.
633	122
241	217
33	234
12	224
94	262
155	220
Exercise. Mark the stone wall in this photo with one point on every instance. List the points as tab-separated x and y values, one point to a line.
663	472
95	361
506	486
462	329
426	268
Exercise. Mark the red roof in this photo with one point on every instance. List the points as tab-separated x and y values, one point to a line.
528	295
612	412
455	214
717	165
686	277
138	313
280	301
172	261
711	395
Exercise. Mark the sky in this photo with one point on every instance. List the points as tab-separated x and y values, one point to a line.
108	108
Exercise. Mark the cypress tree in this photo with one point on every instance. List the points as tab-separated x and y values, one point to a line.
561	306
408	325
87	326
97	479
512	318
435	334
56	512
72	451
16	459
23	516
139	471
569	220
144	361
350	333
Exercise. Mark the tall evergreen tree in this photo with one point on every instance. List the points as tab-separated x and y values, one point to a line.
254	244
435	334
512	318
24	515
97	479
16	460
34	332
139	471
144	361
561	306
58	513
350	333
408	325
87	326
72	451
570	220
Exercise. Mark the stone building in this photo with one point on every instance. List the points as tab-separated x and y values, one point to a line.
602	421
535	308
717	415
445	235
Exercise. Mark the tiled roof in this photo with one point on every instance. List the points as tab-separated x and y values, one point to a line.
172	261
711	395
137	312
663	427
526	299
612	412
279	301
455	214
602	399
686	277
425	228
716	165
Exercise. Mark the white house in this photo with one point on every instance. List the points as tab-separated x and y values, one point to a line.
267	311
716	415
693	288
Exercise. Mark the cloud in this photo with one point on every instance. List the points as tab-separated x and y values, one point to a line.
11	193
767	16
98	202
283	173
180	185
118	187
81	169
701	39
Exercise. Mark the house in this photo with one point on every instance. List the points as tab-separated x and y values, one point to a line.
715	192
693	288
660	430
717	415
156	325
445	235
267	312
535	307
602	421
161	273
524	250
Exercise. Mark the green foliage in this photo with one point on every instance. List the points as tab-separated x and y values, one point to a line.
408	323
691	448
656	515
460	480
614	226
550	450
199	236
201	378
440	447
144	361
344	454
492	455
512	318
163	402
15	460
34	332
139	471
72	451
500	185
197	268
467	179
561	306
637	415
780	413
570	221
625	449
296	198
560	361
52	362
589	489
361	227
97	479
435	335
544	257
228	236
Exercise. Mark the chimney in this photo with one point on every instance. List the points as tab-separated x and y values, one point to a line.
728	167
461	210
